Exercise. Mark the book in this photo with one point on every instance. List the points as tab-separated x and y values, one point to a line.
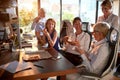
15	66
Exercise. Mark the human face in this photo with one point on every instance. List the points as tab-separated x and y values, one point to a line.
41	13
50	26
97	35
106	10
77	25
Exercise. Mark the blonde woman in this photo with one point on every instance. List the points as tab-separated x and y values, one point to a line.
108	15
96	59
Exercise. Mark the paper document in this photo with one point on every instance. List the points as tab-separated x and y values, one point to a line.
15	66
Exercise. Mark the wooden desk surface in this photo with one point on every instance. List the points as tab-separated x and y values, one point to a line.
50	68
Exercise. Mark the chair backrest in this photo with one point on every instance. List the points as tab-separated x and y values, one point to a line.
2	35
66	29
63	33
112	37
85	26
90	34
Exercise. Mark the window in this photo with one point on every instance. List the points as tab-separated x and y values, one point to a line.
70	9
88	10
52	9
28	10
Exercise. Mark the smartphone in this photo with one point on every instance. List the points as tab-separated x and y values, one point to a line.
56	58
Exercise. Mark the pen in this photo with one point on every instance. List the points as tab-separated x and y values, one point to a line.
39	66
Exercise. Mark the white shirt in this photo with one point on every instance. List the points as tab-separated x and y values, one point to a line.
98	57
84	40
112	20
39	26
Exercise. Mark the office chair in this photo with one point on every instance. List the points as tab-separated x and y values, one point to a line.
2	35
90	34
112	37
86	28
66	29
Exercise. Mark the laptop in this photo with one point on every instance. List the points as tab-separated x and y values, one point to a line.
31	55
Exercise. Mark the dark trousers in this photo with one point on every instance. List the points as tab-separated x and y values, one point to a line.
74	59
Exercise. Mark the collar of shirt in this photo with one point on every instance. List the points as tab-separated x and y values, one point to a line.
100	42
80	36
108	17
42	20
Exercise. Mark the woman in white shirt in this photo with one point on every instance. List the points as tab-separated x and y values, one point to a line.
108	15
95	59
78	37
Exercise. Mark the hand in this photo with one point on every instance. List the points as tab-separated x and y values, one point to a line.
37	19
79	50
72	42
42	40
45	32
65	39
75	43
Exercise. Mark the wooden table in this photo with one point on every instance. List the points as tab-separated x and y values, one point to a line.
59	68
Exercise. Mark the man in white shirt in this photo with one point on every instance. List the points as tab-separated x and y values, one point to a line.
38	25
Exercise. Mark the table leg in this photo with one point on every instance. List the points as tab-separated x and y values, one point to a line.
61	77
44	79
